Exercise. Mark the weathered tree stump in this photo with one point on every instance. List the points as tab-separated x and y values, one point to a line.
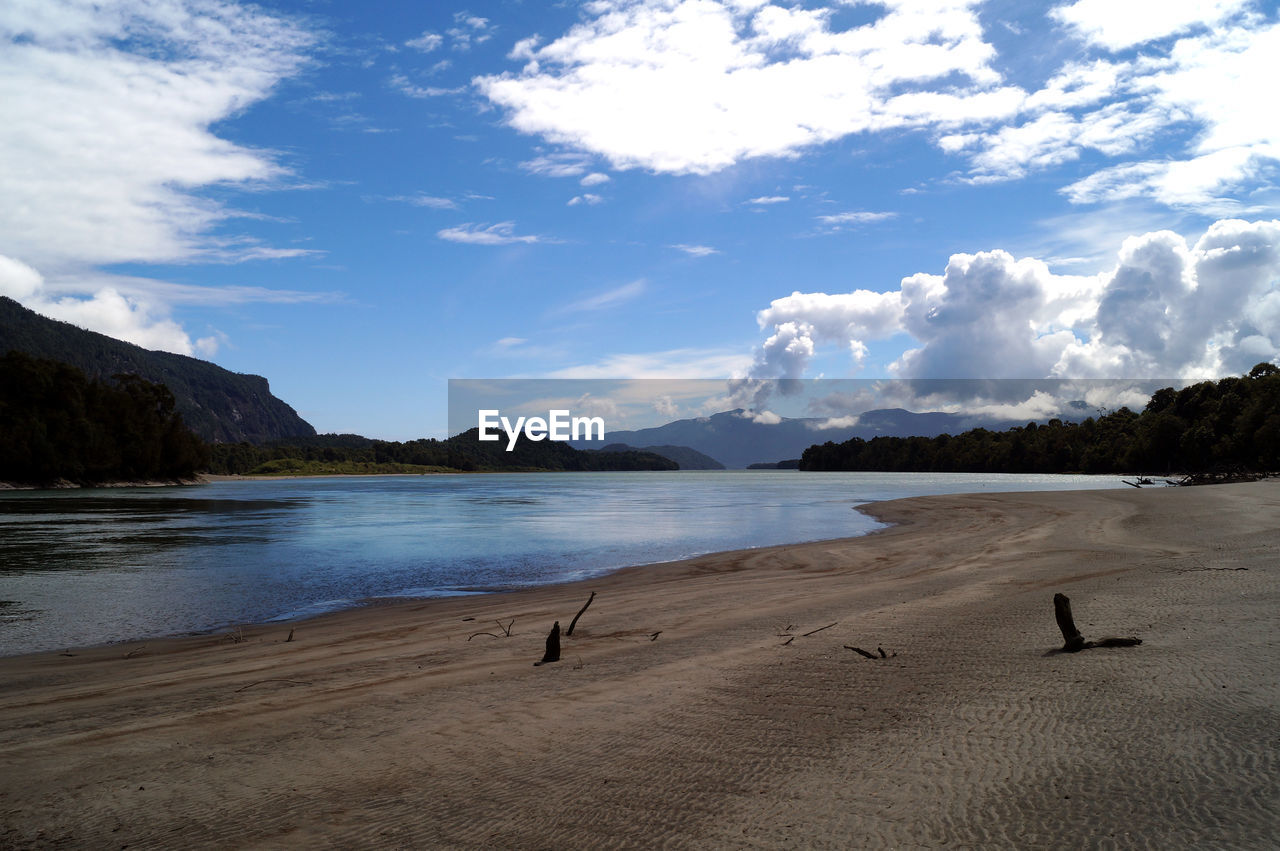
1071	637
1073	641
553	646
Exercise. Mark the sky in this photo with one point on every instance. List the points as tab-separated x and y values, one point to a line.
361	201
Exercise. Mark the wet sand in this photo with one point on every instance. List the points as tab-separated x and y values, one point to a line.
712	703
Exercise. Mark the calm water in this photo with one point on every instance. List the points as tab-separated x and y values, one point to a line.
95	566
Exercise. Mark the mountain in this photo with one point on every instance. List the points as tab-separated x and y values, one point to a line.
218	405
737	440
688	459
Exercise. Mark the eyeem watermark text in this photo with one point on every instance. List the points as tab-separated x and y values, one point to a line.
558	425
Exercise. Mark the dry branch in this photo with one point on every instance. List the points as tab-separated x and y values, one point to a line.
574	622
260	682
860	651
819	629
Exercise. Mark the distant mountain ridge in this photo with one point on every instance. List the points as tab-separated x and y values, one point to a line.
218	405
737	440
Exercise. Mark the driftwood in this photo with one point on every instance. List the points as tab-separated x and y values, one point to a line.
260	682
553	646
574	622
506	629
1073	641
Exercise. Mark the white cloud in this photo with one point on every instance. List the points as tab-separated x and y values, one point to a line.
434	202
1201	90
585	198
132	319
696	250
1166	309
469	30
503	233
595	178
426	42
769	199
694	86
856	217
105	144
1117	26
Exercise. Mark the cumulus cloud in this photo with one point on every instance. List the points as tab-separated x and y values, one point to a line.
695	86
585	198
105	143
1166	309
595	178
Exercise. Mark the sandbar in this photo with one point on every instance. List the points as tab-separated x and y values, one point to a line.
713	702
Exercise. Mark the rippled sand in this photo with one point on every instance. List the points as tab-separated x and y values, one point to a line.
732	728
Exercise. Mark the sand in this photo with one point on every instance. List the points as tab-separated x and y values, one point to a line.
388	727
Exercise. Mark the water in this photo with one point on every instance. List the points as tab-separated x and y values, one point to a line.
95	566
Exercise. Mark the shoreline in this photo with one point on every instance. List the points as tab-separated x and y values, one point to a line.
712	702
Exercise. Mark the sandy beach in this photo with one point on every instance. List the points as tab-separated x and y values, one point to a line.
713	703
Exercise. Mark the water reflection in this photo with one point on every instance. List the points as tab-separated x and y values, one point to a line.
91	567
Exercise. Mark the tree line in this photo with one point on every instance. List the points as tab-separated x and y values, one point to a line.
1208	426
58	424
461	453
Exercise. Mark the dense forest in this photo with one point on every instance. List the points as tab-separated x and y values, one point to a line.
1233	423
59	424
350	453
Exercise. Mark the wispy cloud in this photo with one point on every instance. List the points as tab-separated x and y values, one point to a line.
769	199
607	299
672	363
432	201
696	250
855	217
405	86
96	174
503	233
585	198
560	165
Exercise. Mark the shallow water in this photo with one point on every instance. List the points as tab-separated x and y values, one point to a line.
95	566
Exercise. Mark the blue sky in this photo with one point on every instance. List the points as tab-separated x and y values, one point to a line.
363	200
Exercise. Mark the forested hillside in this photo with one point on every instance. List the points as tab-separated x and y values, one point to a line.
217	404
